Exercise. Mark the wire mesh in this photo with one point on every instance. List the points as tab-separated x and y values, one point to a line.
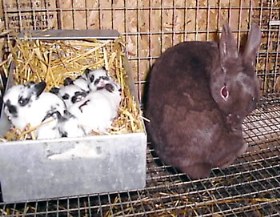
149	27
250	186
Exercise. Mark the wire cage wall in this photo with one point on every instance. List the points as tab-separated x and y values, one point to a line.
250	186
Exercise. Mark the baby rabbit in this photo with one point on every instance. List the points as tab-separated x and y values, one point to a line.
69	126
97	78
199	94
27	104
81	81
69	92
94	113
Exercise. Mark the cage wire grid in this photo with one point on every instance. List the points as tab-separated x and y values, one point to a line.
250	186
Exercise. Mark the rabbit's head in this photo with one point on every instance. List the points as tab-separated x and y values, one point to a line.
97	78
70	93
21	96
234	84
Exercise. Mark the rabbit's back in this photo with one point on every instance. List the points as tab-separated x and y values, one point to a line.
179	82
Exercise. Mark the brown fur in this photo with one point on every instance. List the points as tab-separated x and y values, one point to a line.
191	126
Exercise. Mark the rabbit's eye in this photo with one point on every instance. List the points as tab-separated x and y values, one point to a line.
23	101
96	81
91	78
65	96
105	78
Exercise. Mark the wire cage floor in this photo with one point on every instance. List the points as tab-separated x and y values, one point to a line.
249	187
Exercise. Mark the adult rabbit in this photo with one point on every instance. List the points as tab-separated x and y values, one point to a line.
199	94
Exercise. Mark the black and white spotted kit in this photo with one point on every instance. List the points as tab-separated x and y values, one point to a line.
87	103
29	105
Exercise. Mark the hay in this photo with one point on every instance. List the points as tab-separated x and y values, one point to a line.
54	60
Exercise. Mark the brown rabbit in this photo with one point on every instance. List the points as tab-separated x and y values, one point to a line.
199	94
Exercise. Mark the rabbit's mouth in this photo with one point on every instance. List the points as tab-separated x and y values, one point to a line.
234	121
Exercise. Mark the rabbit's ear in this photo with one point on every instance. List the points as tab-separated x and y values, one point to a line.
227	45
87	71
67	81
252	45
39	88
54	90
